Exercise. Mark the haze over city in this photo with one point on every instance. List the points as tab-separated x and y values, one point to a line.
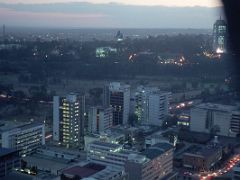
110	14
119	90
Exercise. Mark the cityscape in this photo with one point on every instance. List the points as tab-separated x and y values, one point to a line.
117	102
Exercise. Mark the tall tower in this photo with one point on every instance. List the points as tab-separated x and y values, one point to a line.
152	105
68	120
117	96
220	36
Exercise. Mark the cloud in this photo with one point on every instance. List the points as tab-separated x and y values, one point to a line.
107	15
180	3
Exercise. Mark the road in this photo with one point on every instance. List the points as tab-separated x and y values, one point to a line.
217	173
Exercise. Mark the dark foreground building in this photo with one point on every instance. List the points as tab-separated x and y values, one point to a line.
9	160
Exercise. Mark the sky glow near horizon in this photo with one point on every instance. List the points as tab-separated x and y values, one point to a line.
179	3
101	14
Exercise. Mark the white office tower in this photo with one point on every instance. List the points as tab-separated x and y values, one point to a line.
68	120
142	102
215	118
99	119
25	137
117	96
152	105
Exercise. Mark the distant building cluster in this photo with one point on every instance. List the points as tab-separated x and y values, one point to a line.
220	36
104	52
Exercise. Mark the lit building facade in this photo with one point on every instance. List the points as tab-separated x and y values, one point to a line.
220	36
152	105
25	138
99	119
235	122
215	118
142	103
117	96
107	154
154	163
68	120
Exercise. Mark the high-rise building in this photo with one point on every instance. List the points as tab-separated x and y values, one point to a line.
25	138
99	119
215	118
154	163
220	36
68	120
152	105
142	104
117	96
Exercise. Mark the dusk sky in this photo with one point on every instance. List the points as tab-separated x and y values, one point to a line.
103	14
208	3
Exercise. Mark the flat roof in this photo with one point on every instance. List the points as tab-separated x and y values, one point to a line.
216	107
9	125
156	150
84	171
111	145
205	151
6	151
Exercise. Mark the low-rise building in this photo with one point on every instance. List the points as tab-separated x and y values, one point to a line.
154	163
9	160
107	153
57	153
236	173
183	121
202	158
93	171
217	119
25	138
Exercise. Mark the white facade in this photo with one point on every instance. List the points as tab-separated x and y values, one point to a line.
26	138
152	105
99	119
142	102
158	108
215	118
107	154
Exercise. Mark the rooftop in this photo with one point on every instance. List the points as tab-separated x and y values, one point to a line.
9	125
6	151
84	171
156	150
216	107
110	145
204	151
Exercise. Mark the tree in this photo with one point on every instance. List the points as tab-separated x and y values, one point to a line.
133	119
